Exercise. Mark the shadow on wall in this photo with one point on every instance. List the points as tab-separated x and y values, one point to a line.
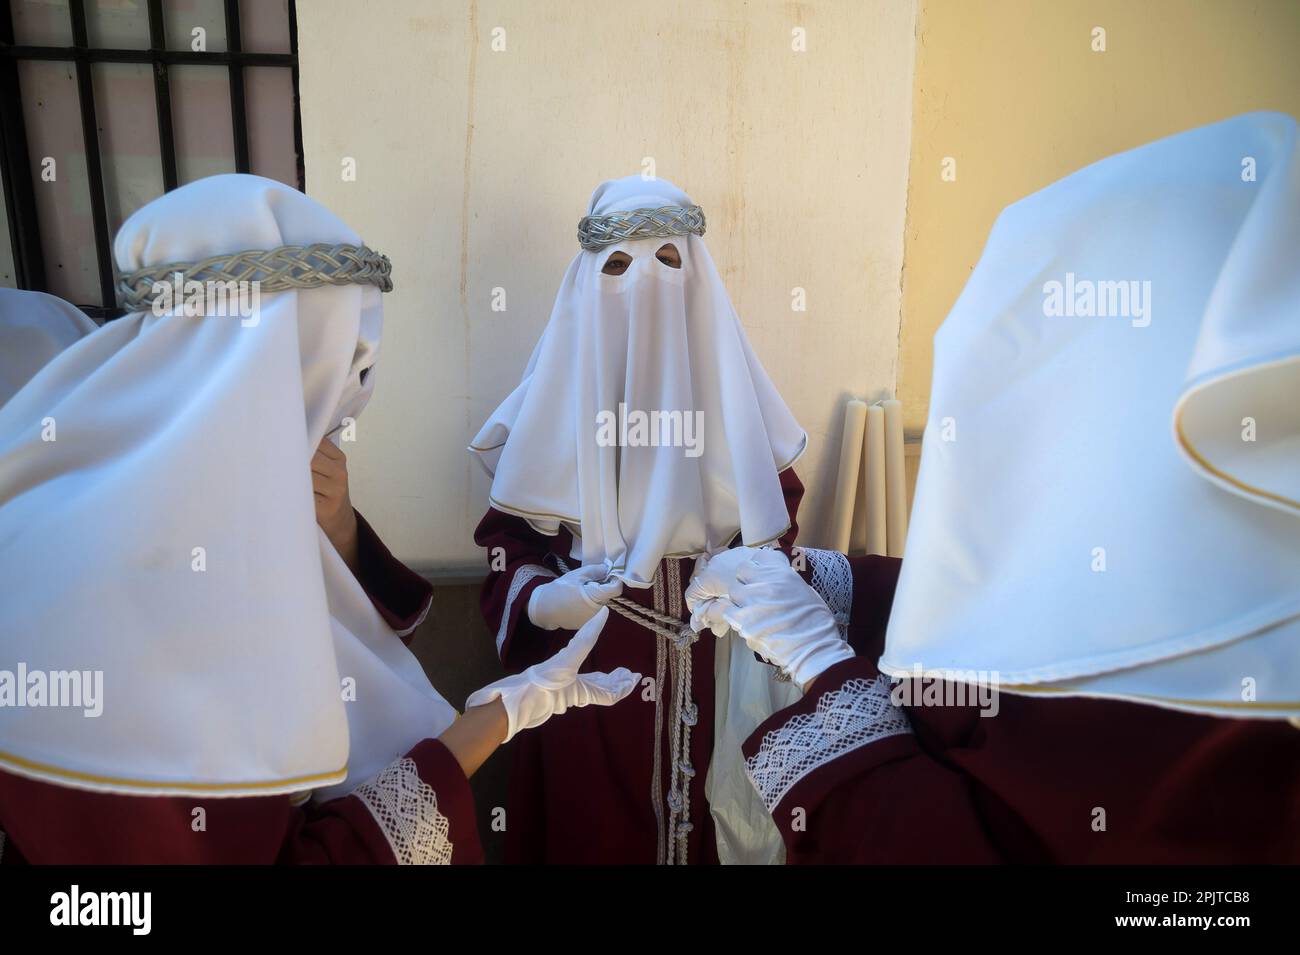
459	654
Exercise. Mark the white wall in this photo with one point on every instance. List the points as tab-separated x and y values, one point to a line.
474	166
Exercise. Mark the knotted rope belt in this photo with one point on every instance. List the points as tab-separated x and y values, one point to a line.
673	641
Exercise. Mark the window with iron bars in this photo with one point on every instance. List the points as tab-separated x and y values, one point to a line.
107	104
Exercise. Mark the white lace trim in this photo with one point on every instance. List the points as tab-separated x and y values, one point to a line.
848	718
406	809
832	577
521	578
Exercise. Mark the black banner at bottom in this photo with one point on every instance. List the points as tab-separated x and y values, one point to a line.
333	905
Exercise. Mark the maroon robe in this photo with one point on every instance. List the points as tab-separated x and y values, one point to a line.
580	789
46	823
849	777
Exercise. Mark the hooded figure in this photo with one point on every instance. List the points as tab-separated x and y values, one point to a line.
131	462
644	434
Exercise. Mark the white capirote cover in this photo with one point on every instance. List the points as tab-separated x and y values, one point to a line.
164	534
1107	499
653	340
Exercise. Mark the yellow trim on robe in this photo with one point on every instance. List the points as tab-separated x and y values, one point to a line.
1223	475
159	784
525	513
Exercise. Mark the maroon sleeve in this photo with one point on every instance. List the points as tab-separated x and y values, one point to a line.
875	579
419	806
792	491
851	777
401	596
517	565
846	782
841	770
417	810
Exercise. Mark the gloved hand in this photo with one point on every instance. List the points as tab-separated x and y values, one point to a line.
708	593
568	602
780	617
549	688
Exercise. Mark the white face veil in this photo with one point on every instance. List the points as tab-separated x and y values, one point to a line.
157	527
1109	504
657	346
34	327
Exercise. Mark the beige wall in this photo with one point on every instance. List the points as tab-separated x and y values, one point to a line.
474	167
1012	90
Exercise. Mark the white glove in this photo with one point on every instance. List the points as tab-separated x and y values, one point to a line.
781	618
570	601
708	593
549	688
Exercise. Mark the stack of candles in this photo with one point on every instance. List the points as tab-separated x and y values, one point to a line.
872	471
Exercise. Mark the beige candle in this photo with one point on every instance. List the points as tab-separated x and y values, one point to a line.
895	479
873	481
846	488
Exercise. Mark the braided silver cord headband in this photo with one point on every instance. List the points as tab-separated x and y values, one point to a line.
596	232
275	270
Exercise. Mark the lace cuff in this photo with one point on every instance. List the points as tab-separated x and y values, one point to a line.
832	578
855	714
522	576
406	809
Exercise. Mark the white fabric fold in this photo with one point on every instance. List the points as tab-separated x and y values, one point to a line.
1107	500
166	537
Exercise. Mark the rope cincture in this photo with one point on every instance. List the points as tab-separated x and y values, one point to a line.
685	715
596	232
674	639
274	270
